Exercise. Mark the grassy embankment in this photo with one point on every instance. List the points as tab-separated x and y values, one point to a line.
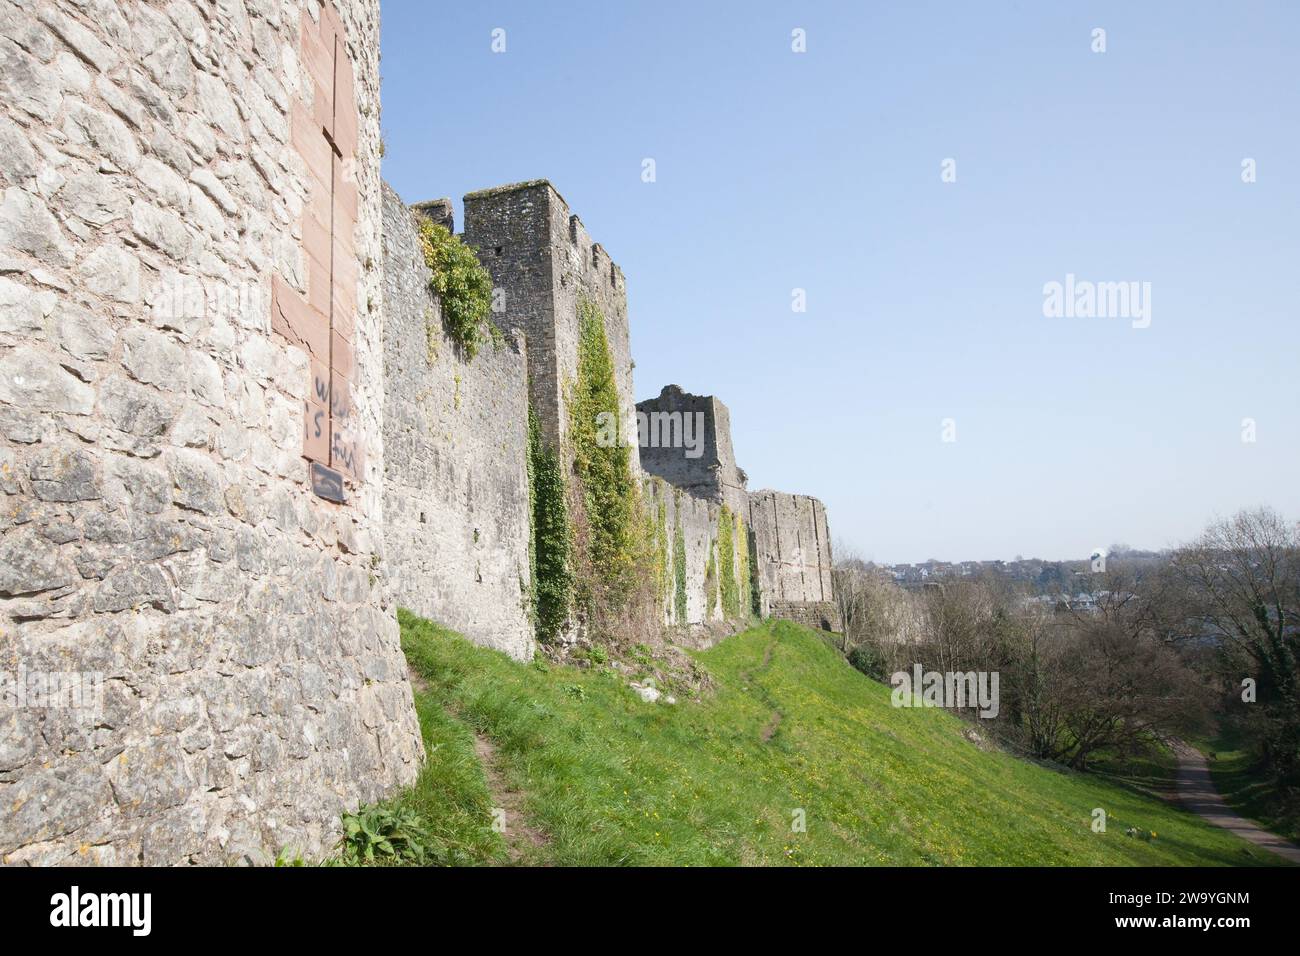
602	778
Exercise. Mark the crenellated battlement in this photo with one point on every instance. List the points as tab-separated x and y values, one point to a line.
543	264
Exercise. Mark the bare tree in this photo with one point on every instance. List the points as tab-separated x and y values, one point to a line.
878	616
1243	585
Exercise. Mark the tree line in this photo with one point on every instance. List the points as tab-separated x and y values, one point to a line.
1204	635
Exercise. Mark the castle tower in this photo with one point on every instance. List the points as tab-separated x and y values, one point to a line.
543	265
686	440
792	551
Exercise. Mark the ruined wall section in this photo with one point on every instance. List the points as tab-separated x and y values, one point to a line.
543	261
456	502
702	615
792	552
158	531
712	474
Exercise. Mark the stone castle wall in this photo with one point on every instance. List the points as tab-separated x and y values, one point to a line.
159	532
456	506
233	436
712	473
793	554
542	259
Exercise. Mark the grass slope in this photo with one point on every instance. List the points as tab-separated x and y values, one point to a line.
612	780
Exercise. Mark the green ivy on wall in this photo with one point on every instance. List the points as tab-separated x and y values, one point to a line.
551	538
661	548
462	284
755	594
743	570
711	580
727	564
617	545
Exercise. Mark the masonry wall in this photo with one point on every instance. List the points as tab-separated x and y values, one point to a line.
544	262
699	521
158	529
456	504
793	557
712	474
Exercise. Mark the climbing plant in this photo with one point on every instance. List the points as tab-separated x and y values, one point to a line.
463	286
711	580
742	571
661	545
552	537
727	564
617	546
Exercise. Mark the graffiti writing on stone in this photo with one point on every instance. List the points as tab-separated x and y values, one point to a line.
323	322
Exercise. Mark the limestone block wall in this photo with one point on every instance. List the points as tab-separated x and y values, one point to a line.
238	676
793	555
456	505
699	522
542	259
706	465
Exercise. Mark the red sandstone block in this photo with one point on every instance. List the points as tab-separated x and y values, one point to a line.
342	358
319	386
340	400
310	142
344	264
319	287
322	108
292	318
345	230
317	48
316	433
347	453
346	117
320	202
316	239
345	200
331	27
344	316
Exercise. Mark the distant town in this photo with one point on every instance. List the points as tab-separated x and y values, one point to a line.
1036	575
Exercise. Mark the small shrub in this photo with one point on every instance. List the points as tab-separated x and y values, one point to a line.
868	660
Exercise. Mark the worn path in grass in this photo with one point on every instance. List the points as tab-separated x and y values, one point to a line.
518	834
774	722
1197	791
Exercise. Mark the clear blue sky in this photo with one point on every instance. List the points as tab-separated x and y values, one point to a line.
821	171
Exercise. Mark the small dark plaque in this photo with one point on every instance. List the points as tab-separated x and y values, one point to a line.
327	483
